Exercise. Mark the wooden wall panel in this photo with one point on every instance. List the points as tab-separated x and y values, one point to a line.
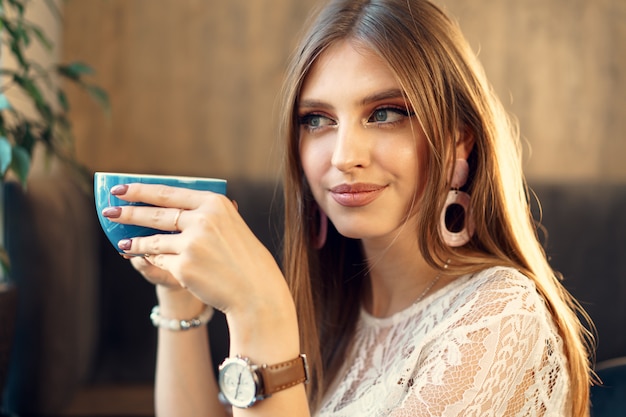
559	66
194	83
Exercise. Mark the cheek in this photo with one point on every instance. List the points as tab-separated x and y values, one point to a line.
404	159
312	157
408	161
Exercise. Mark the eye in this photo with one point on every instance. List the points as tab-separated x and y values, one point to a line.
388	115
314	121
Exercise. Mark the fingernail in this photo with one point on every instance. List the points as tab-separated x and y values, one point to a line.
125	244
119	189
112	212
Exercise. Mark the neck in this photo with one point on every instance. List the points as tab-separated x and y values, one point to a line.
398	274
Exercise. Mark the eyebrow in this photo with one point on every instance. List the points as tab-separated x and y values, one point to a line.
372	98
383	95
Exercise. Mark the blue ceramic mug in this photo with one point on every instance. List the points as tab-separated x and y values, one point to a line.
104	181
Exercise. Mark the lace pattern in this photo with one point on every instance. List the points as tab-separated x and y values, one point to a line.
485	345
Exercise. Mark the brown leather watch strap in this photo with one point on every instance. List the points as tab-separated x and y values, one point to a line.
283	375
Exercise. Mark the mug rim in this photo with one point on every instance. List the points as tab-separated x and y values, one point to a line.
157	176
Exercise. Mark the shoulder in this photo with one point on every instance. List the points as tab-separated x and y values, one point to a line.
493	295
498	308
500	285
500	278
499	336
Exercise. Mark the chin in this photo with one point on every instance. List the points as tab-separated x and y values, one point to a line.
372	227
362	231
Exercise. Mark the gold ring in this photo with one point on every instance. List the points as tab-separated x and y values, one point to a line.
176	220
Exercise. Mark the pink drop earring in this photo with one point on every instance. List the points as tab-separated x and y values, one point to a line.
457	198
318	235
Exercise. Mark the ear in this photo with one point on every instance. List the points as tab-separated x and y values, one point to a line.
465	143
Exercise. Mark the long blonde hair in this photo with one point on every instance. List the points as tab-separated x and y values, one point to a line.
446	87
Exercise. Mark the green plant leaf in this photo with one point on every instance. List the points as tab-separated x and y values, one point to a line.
29	86
27	139
18	131
17	51
62	98
6	155
22	32
21	164
41	36
100	96
6	24
3	128
63	122
19	5
74	70
4	102
45	111
46	136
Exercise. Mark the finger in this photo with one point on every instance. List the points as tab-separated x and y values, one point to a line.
132	255
177	218
160	195
165	263
157	244
166	219
154	274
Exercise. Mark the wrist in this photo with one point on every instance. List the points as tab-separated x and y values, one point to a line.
256	330
177	302
175	324
257	382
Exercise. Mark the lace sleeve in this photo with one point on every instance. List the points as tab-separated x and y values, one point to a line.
498	358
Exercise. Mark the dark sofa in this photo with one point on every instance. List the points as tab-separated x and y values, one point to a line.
83	313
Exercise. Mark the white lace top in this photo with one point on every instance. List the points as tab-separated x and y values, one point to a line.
485	345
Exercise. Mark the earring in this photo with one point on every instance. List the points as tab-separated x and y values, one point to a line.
455	199
318	236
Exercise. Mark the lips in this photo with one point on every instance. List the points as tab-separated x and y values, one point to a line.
356	195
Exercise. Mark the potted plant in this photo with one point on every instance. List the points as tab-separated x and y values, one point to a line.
39	119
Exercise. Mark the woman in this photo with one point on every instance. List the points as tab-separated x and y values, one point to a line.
413	278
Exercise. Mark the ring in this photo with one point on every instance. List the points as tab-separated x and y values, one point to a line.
176	220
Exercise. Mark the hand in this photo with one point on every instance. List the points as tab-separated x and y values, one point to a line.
153	274
215	256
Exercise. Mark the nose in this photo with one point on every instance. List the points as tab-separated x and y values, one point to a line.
352	148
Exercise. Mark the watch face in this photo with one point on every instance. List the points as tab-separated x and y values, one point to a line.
237	382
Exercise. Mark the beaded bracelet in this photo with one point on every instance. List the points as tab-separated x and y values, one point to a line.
177	325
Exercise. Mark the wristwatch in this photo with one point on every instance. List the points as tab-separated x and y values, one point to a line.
242	384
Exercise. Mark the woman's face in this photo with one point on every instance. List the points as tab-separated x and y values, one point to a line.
362	150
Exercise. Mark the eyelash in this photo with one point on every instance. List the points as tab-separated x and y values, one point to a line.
394	109
305	119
